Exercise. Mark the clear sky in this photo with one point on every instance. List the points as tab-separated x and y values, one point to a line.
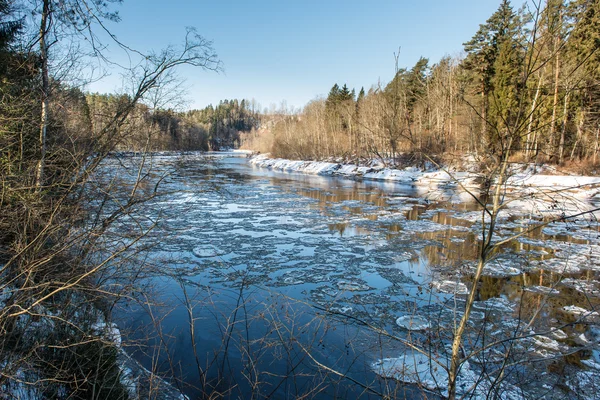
296	50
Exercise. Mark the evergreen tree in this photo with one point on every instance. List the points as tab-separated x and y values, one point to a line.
415	82
361	95
9	27
345	94
334	96
494	57
584	40
583	52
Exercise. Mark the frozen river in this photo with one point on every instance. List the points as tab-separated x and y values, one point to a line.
269	284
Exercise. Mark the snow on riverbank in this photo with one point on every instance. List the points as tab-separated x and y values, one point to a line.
408	175
539	190
40	324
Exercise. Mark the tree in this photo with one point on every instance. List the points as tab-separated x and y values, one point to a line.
9	27
334	95
583	49
494	56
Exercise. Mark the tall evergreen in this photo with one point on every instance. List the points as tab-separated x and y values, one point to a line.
361	94
583	50
495	58
416	80
584	40
334	95
346	94
9	26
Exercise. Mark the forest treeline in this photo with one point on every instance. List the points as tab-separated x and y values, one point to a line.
528	83
155	129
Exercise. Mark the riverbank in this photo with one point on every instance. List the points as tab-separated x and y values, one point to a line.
538	186
111	371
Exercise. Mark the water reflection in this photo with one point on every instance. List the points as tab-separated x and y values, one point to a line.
368	252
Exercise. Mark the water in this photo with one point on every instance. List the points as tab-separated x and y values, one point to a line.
296	282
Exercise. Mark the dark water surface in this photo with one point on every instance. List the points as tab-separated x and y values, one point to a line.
293	280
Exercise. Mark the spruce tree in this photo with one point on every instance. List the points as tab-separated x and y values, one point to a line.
345	94
9	27
584	40
361	95
494	57
334	95
583	53
415	82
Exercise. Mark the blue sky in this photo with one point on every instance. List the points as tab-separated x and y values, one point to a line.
295	51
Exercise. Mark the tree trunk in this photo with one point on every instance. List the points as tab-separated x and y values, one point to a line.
484	120
561	145
486	249
579	135
597	144
529	141
555	101
44	25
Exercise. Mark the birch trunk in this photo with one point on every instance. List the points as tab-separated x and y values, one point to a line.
44	25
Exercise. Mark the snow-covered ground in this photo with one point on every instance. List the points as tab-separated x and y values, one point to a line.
410	175
537	191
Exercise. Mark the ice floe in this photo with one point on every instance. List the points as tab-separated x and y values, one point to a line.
452	287
413	367
413	322
545	290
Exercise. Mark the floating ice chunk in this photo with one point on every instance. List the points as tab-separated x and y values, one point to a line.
417	368
495	304
477	315
579	311
5	293
342	310
127	379
352	286
500	270
291	280
561	266
545	343
591	364
413	367
582	340
413	322
542	290
532	242
207	250
184	198
451	287
421	226
559	334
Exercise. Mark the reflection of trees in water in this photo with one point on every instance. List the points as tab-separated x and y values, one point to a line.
338	195
339	227
448	253
491	287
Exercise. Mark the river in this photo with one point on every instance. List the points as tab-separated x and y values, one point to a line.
280	285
